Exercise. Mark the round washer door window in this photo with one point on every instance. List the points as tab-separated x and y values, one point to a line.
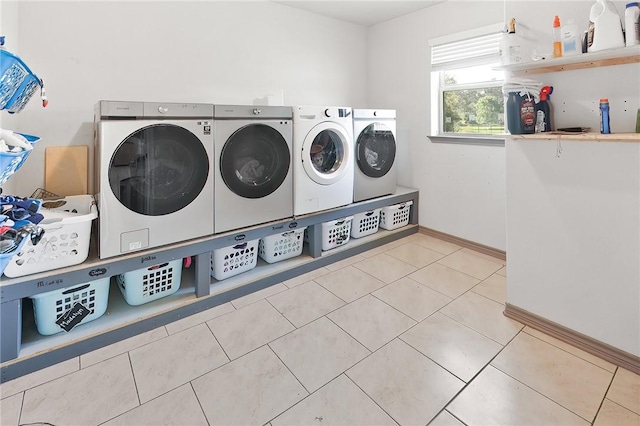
325	153
255	161
158	170
376	148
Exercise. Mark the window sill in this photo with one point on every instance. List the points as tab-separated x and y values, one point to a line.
487	140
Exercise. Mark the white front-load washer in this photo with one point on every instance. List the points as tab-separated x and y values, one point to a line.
154	174
253	181
322	158
374	132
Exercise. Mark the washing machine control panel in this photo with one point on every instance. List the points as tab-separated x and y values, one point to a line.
337	112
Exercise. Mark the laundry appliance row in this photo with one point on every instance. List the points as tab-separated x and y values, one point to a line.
170	172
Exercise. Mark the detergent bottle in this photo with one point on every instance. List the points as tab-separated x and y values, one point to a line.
543	111
557	38
605	27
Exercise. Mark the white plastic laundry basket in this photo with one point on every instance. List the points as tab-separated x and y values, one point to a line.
336	233
365	223
67	233
396	216
49	307
286	245
233	260
148	284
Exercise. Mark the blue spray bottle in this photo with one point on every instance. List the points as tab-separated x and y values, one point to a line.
543	111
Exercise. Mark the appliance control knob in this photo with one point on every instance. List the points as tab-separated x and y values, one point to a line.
375	113
163	110
327	112
256	111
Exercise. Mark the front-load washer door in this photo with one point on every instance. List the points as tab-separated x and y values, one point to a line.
255	161
375	150
158	170
326	153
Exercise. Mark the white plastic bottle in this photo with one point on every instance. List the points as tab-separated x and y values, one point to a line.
632	24
606	31
570	43
510	49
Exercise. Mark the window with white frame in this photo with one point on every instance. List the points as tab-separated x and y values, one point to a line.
466	89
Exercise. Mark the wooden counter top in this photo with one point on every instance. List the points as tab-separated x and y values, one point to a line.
581	137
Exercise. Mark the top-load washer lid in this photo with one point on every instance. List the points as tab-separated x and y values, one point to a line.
376	150
325	153
158	169
255	161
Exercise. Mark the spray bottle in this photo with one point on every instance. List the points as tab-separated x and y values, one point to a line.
543	111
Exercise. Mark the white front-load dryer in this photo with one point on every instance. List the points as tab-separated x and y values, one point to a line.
253	181
154	174
374	132
322	159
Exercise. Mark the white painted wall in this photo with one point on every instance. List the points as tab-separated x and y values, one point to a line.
236	52
574	236
462	187
213	51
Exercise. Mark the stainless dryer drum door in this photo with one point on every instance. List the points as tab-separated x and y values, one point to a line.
255	161
158	170
376	150
326	153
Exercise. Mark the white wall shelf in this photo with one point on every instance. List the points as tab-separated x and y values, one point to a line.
603	58
581	137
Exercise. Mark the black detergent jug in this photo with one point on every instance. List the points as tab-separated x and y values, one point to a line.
521	114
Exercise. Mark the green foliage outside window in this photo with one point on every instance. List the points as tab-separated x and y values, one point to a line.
478	110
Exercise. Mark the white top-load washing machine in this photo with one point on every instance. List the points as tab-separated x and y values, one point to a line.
375	174
253	179
154	174
322	158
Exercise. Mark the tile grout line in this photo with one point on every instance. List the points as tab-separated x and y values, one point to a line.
613	376
436	362
133	375
524	384
475	376
359	342
417	322
21	407
577	356
621	406
135	384
46	381
369	396
219	344
452	415
199	402
124	352
203	322
286	319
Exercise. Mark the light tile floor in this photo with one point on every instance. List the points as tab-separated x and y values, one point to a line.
409	333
